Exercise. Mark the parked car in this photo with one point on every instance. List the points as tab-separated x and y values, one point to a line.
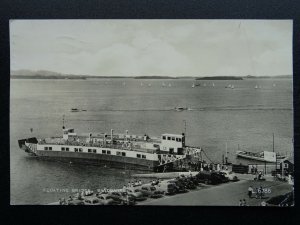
193	179
76	202
211	177
179	185
230	175
151	191
190	185
221	176
187	182
136	194
122	198
166	188
105	199
91	201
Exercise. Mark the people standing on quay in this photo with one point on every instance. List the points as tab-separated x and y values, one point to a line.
241	202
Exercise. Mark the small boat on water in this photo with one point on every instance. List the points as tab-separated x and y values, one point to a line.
74	110
193	85
181	108
228	86
264	156
213	84
78	110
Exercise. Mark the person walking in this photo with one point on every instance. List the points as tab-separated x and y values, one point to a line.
244	202
250	191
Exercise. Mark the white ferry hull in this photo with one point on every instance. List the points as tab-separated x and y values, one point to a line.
99	160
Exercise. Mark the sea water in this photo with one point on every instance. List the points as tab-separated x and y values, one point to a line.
242	118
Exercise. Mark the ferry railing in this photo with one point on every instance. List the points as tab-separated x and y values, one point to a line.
99	145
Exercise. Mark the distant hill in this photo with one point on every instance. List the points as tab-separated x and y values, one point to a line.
42	74
264	77
220	78
45	74
154	77
34	73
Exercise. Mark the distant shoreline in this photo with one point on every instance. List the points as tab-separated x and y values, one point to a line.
220	78
83	77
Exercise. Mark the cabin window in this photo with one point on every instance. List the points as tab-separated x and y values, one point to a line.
164	137
63	149
108	152
123	154
80	150
89	150
179	139
143	156
171	150
94	151
75	149
173	138
67	149
169	138
45	148
118	153
103	151
138	155
50	148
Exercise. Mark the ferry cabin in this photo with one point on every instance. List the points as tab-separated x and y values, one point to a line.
173	143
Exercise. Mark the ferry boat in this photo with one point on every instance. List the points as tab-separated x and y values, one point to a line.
264	156
139	152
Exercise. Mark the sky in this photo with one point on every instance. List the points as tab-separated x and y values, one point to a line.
153	47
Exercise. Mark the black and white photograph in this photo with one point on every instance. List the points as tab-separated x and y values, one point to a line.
163	112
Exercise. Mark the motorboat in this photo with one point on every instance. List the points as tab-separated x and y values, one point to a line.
264	156
74	110
181	108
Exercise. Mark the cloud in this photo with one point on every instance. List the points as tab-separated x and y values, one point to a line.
153	47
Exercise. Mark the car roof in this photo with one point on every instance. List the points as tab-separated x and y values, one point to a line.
90	198
103	195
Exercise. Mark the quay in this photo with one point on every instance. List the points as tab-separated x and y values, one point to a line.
167	175
228	194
